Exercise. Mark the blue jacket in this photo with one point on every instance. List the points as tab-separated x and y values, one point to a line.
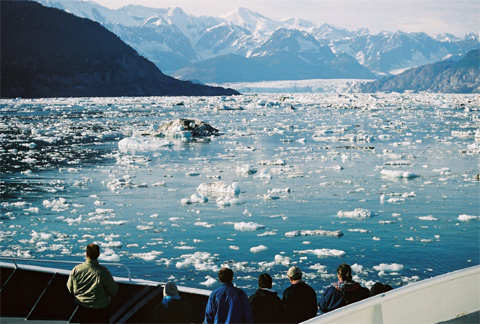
339	295
228	304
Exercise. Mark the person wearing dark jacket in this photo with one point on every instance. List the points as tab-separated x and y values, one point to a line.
343	292
299	300
173	309
266	306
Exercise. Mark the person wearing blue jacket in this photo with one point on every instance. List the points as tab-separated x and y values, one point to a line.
228	304
343	292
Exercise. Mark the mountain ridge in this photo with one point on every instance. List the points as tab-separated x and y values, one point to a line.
449	76
46	52
397	51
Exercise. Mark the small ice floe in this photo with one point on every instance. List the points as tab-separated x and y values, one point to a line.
119	222
358	230
184	247
272	162
267	233
428	218
56	205
467	218
109	255
357	213
209	282
228	201
201	261
258	249
118	184
283	260
463	134
263	175
32	210
194	199
397	174
391	268
250	226
144	227
17	204
323	252
110	135
111	244
147	256
268	197
319	268
279	191
219	189
138	143
443	171
395	200
314	232
245	170
234	247
386	222
400	162
204	224
184	127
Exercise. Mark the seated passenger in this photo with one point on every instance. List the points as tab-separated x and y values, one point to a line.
266	306
172	309
343	292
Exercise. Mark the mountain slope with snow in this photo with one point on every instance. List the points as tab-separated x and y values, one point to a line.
56	54
449	76
175	40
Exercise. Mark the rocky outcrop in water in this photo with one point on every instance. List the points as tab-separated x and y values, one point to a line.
184	127
46	52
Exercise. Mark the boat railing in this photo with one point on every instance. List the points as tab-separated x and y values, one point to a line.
20	263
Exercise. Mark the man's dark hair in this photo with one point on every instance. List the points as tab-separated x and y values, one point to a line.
265	281
225	275
93	251
345	272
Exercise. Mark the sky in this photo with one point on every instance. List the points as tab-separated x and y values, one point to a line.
456	17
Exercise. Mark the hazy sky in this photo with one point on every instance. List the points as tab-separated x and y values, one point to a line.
457	17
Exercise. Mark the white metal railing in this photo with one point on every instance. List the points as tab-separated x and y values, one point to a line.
18	265
433	300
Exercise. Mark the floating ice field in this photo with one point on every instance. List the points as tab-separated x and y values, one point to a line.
385	182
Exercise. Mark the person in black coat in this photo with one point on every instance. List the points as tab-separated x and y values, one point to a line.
343	292
266	306
299	300
173	309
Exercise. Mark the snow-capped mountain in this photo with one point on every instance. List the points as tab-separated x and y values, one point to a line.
174	40
288	54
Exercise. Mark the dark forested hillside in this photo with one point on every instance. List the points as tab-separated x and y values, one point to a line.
46	52
461	76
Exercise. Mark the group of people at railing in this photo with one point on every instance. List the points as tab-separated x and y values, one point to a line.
93	286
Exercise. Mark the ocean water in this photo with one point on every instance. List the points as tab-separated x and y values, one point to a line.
386	183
